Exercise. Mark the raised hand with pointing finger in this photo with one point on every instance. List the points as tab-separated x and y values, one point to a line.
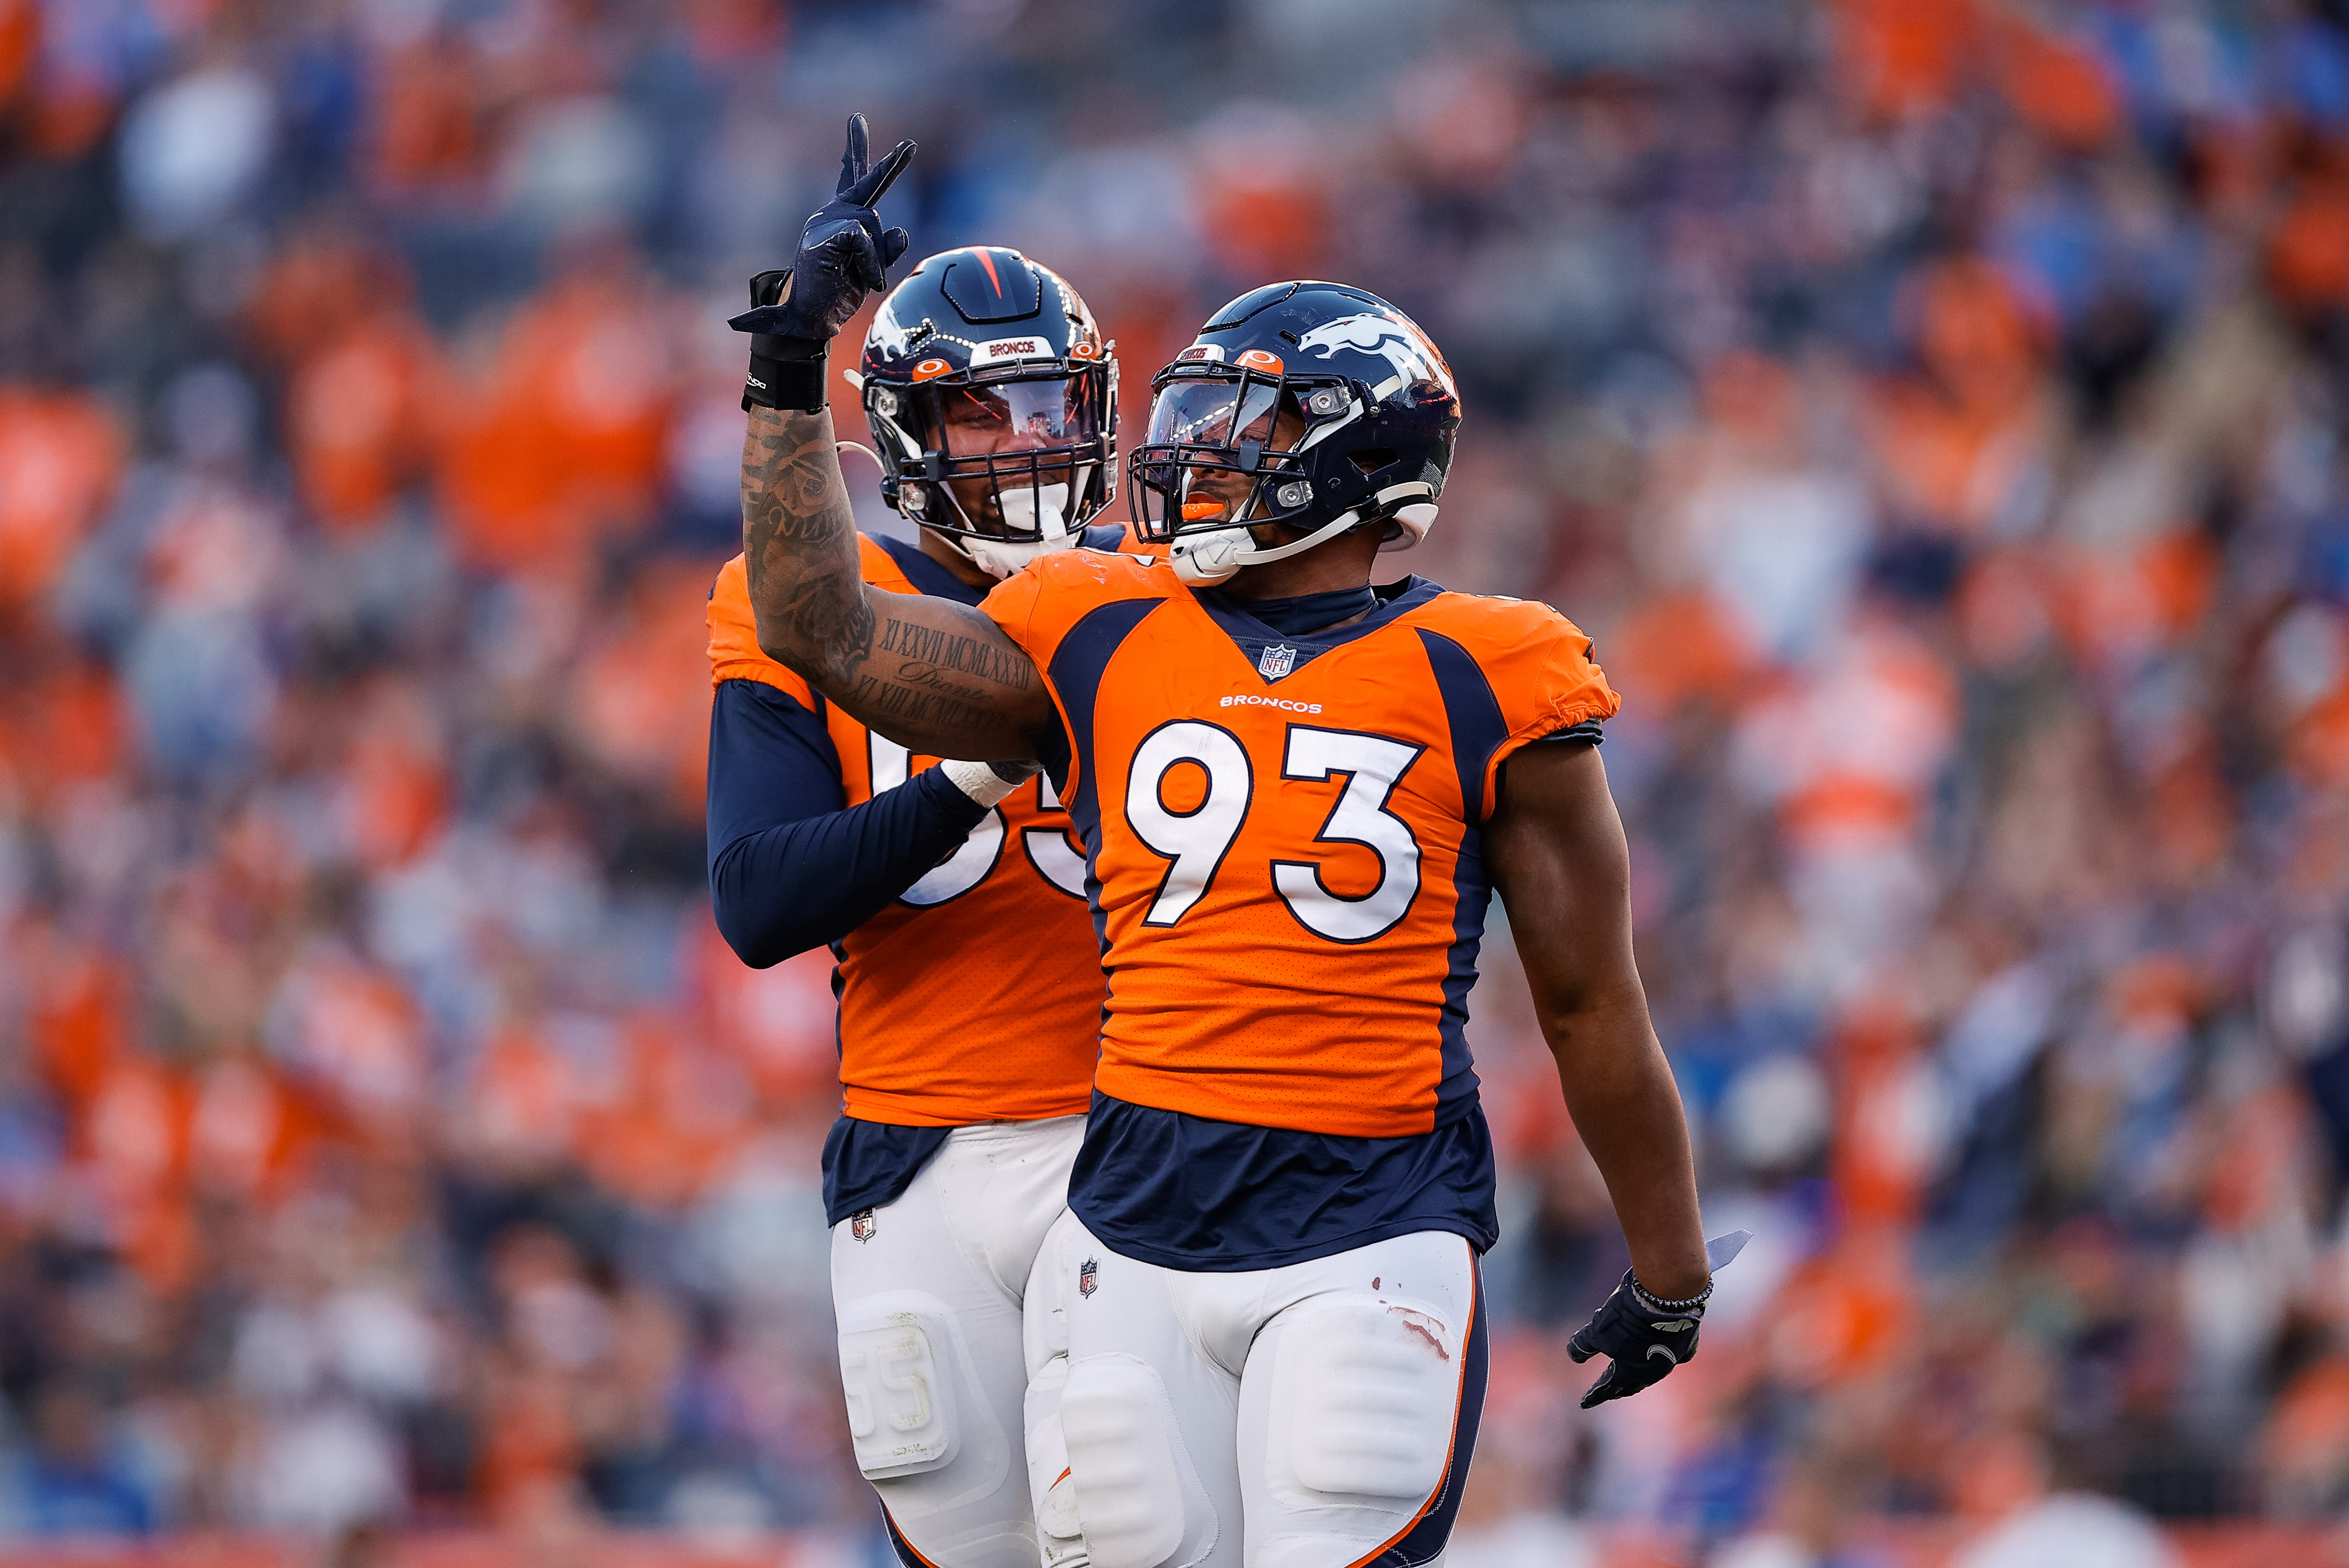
844	254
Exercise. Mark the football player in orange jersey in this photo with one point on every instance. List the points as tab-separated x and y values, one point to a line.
970	988
1295	792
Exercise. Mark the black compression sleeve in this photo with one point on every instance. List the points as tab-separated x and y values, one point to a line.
790	866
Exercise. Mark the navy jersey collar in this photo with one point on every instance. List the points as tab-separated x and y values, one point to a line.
928	577
1254	637
932	578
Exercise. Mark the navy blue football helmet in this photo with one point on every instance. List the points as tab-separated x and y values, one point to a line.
993	403
1315	406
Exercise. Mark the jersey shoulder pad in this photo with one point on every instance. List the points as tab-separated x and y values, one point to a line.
880	569
1037	606
734	653
1117	538
1536	663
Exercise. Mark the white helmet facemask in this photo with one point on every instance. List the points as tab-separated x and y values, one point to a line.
1043	507
1205	558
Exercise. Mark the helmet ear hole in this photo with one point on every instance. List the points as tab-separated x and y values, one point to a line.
1370	459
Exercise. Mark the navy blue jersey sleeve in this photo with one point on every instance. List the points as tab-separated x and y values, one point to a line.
791	866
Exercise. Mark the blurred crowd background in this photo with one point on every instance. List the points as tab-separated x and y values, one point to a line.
1933	407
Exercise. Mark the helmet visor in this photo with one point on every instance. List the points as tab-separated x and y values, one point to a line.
1223	449
1024	457
1214	413
993	416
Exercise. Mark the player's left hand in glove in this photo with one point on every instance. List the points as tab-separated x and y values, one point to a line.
844	254
1644	1337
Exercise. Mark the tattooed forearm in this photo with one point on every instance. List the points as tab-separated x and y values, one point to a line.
943	679
827	622
799	540
968	655
880	699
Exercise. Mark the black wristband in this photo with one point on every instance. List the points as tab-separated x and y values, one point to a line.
785	373
1695	1303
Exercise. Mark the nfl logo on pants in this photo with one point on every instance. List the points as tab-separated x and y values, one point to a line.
862	1225
1088	1276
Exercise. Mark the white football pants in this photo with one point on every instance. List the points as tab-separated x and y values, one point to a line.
933	1292
1316	1415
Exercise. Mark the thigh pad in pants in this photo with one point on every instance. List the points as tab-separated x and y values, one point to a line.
1139	1498
1365	1395
898	1351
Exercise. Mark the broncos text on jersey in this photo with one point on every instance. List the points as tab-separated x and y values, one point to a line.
1286	873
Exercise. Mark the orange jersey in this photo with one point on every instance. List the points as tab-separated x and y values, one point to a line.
1283	831
976	995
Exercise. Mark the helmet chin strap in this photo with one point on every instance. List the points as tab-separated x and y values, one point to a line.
1204	559
1001	559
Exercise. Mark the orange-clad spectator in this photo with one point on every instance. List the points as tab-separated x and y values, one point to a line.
428	133
1977	334
20	45
2308	254
360	416
2005	613
678	1114
2192	814
1906	56
2057	86
2305	1444
65	728
1853	743
780	1023
638	700
394	794
60	455
80	1012
2260	1168
246	1132
734	29
1948	464
529	1454
519	1112
322	286
1258	174
2319	743
354	1032
1462	119
1845	1315
563	445
1954	447
134	1132
2127	602
1680	648
1887	1118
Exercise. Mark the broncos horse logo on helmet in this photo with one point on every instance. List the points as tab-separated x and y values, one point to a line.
993	402
1303	411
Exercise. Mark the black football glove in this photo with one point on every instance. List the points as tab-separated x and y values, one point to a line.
845	254
1643	1337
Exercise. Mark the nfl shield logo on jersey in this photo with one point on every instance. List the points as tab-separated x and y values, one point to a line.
862	1225
1277	661
1088	1276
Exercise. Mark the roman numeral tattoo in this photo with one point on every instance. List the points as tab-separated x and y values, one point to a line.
949	693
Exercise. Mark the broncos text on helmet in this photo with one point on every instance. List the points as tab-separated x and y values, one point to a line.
1302	411
993	403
